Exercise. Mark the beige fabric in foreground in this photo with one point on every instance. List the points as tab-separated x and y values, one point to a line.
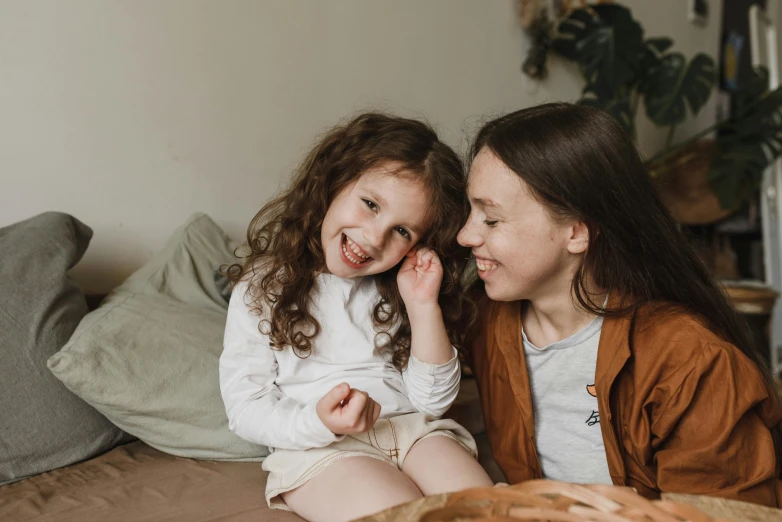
134	483
594	503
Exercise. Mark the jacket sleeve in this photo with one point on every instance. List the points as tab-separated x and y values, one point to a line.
257	410
712	435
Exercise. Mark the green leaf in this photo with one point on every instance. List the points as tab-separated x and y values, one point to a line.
753	88
611	13
746	145
673	82
658	45
618	108
650	58
728	189
574	28
735	174
606	42
608	54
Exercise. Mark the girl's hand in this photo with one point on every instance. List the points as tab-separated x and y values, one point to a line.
345	411
419	277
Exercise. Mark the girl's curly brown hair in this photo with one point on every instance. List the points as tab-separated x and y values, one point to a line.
285	251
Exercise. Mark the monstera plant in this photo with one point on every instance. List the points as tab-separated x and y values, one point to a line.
623	70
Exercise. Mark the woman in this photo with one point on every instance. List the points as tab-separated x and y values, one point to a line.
606	353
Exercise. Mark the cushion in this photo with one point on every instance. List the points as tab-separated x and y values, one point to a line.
147	358
43	425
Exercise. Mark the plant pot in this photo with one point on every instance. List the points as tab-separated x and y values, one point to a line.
684	186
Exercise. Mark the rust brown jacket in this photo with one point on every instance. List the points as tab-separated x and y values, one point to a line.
681	410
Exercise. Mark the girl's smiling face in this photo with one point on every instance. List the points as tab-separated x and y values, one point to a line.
373	222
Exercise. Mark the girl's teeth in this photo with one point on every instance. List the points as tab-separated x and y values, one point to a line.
356	250
350	257
347	254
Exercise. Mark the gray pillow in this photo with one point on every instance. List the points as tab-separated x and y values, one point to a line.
148	357
43	426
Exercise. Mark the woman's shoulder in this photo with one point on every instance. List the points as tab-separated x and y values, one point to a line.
672	339
672	323
676	356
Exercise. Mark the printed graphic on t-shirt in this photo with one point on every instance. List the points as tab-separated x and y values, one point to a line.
595	417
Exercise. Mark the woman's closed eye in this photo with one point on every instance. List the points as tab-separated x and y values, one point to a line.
490	222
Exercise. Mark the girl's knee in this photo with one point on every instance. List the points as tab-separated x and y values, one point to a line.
437	445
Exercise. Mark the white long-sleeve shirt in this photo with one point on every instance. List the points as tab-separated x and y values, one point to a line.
270	395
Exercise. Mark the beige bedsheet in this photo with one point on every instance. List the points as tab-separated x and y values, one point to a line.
138	483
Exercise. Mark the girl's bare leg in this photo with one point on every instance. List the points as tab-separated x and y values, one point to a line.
440	465
350	488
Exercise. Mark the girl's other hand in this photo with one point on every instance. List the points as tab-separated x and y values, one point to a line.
419	277
345	410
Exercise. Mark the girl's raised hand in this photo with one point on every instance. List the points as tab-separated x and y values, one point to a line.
419	277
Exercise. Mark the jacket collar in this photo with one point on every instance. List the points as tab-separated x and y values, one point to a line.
508	337
613	351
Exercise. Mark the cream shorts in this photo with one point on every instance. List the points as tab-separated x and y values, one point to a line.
389	440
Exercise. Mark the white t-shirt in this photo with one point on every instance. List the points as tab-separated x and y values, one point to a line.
270	395
567	422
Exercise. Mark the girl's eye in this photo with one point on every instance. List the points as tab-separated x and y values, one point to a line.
371	205
404	232
489	222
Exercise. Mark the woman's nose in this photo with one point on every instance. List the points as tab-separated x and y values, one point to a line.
467	236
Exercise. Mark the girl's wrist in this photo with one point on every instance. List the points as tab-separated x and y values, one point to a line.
419	312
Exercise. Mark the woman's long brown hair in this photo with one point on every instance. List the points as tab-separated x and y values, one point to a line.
285	251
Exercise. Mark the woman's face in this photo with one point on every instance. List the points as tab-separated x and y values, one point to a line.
520	251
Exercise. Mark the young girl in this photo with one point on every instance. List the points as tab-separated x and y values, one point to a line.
608	354
337	339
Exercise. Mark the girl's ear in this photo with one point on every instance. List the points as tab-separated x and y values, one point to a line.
579	238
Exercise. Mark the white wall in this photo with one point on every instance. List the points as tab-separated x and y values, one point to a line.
132	114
